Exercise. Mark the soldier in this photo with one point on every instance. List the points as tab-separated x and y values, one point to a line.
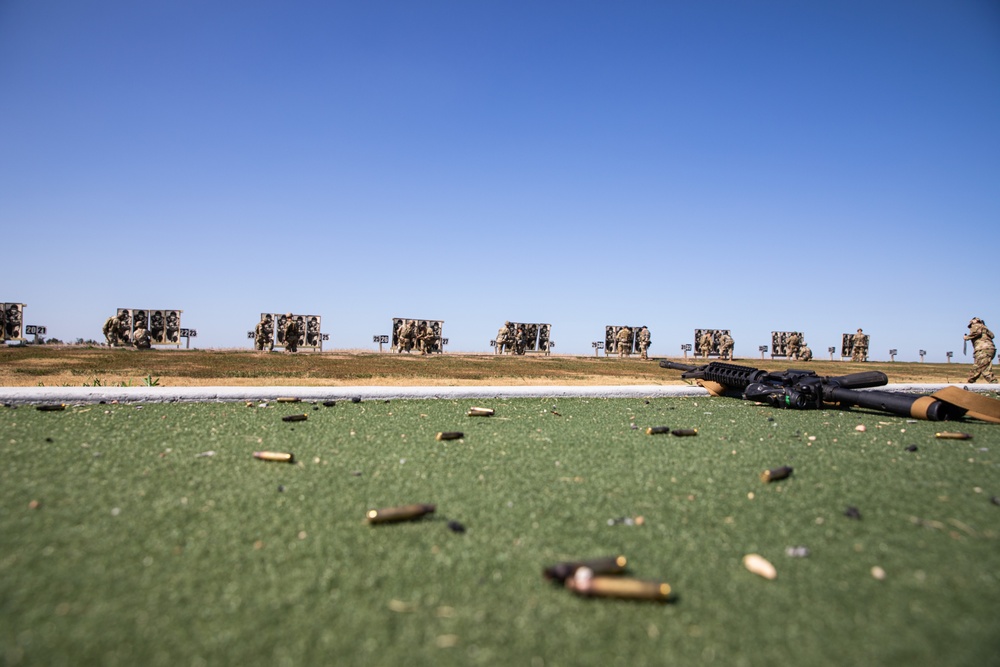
643	342
860	347
726	344
405	337
793	344
501	341
263	333
112	330
805	354
624	338
293	332
140	337
983	350
427	340
705	343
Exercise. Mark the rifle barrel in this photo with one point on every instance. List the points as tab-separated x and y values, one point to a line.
904	405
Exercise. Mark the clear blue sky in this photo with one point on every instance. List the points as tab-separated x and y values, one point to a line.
756	166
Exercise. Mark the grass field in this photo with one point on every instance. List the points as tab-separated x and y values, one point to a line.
150	535
78	365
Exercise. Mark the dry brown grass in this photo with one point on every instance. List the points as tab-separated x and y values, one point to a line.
77	365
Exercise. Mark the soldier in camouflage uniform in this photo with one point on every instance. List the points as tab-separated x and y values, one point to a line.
983	350
643	339
859	348
520	340
705	344
427	340
624	340
113	330
404	339
501	341
726	344
293	333
805	354
792	345
140	337
263	334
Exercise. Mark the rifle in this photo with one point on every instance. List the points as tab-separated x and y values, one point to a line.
806	390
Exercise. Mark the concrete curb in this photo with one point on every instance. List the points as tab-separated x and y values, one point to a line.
29	395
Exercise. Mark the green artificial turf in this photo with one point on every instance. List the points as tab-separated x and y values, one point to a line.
150	535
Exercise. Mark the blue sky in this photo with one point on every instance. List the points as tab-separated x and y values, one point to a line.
756	166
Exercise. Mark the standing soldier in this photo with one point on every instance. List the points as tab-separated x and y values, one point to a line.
624	346
427	340
293	332
643	342
112	330
860	347
983	350
263	333
705	344
726	344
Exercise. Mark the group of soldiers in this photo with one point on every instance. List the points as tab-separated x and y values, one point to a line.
706	342
623	342
511	339
412	335
118	333
796	348
291	333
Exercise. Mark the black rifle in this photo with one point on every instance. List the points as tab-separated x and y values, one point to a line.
805	390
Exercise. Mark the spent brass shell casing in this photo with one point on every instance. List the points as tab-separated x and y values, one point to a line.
775	474
560	572
288	399
656	430
684	431
294	418
401	513
449	435
480	412
279	457
953	435
619	587
51	407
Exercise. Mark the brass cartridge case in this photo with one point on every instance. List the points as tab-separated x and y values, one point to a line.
280	457
618	587
51	407
656	430
295	418
449	435
684	431
951	435
401	513
480	412
775	474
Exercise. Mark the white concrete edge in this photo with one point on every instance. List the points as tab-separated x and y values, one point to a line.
29	395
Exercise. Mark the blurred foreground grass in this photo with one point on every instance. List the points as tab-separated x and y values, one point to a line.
149	535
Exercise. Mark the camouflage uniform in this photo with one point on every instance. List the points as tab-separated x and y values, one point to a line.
140	337
293	333
983	350
643	342
113	330
624	340
705	344
404	339
793	345
501	341
726	344
520	341
859	349
805	354
263	334
426	340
